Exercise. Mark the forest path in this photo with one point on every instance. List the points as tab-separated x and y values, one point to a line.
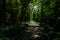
34	28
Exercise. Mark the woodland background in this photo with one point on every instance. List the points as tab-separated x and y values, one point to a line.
15	12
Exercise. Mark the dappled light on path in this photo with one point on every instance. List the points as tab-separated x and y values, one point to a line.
35	29
33	23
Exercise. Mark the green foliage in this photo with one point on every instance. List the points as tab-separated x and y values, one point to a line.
15	12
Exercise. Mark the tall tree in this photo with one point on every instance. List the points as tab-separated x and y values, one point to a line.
25	4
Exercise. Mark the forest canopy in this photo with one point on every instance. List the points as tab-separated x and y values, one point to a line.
15	13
